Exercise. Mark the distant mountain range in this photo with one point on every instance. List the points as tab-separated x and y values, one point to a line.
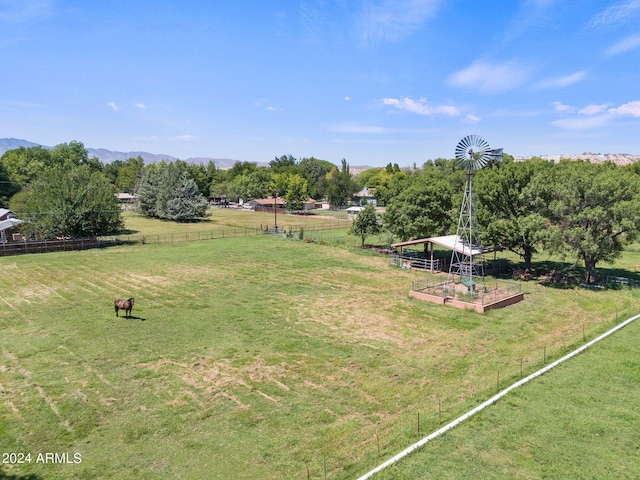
108	156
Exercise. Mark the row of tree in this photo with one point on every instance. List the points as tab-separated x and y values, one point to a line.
576	209
60	192
174	190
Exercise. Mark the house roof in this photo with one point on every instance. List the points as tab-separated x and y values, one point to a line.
365	192
9	223
450	242
4	211
269	201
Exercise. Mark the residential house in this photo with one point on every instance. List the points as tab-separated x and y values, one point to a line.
9	225
366	195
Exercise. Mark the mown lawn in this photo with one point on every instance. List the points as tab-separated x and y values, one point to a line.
252	357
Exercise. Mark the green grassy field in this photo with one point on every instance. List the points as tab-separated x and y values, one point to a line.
252	357
227	218
580	420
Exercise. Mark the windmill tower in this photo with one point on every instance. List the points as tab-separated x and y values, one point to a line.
473	153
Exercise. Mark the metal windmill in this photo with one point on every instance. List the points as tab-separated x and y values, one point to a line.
473	153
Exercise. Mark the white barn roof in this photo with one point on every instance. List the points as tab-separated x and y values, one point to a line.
9	223
450	242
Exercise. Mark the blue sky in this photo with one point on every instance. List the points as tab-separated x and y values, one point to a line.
371	81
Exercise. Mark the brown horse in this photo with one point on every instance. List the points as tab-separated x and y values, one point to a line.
126	305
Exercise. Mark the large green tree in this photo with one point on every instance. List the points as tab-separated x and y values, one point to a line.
508	207
296	193
422	209
340	186
284	164
22	164
315	171
125	174
366	223
167	191
593	210
256	184
387	182
204	175
72	201
8	187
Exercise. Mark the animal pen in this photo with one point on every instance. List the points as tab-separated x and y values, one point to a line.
489	294
497	294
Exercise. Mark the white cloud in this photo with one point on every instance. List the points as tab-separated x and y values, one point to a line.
421	107
113	106
471	118
561	107
355	128
347	99
618	14
393	20
593	109
565	81
626	45
593	116
583	122
631	108
141	106
491	78
261	102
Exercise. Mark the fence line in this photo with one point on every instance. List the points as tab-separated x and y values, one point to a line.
45	246
412	261
498	396
186	236
612	280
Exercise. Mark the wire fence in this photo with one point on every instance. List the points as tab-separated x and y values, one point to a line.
440	408
186	236
489	292
227	231
45	246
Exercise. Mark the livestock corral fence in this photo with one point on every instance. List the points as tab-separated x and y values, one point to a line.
494	294
69	244
44	246
61	245
418	260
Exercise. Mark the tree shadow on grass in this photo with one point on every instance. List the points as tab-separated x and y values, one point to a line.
128	231
569	276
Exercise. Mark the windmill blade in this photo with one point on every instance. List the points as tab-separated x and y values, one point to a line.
473	152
